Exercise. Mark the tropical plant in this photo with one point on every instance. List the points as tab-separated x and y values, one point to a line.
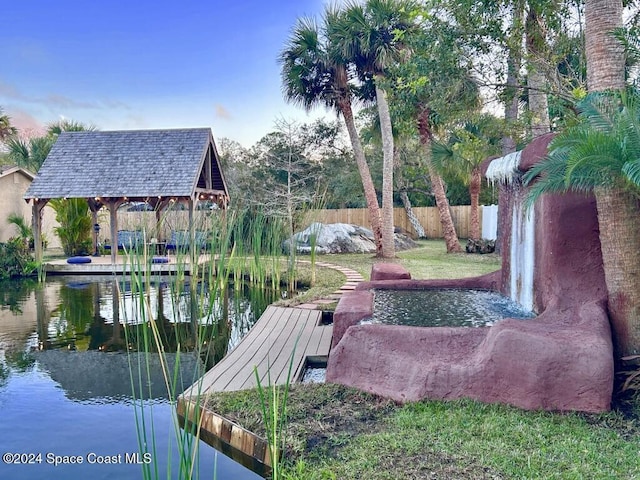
602	155
24	230
75	225
6	129
462	156
315	73
373	37
15	260
31	153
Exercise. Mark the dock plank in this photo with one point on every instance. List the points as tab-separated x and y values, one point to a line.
272	348
237	367
279	334
243	352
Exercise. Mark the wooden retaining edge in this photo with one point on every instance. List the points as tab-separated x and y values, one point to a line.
240	444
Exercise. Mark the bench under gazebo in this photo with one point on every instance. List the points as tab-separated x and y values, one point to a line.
160	168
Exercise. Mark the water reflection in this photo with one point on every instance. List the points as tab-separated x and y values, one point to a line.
105	314
70	361
443	308
95	316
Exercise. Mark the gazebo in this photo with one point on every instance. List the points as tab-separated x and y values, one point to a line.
109	168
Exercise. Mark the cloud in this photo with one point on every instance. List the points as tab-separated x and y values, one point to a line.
222	112
61	101
56	101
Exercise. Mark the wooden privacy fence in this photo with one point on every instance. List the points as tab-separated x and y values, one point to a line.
428	216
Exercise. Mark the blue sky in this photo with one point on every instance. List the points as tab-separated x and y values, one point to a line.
148	64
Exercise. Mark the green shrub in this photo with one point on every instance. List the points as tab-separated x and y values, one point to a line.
75	225
15	259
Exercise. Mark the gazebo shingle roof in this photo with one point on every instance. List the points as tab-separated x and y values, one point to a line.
128	163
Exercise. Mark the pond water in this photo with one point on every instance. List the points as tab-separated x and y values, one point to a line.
67	353
443	308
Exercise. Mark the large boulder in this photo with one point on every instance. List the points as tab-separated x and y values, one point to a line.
341	238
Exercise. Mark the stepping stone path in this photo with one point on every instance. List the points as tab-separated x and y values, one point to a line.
353	279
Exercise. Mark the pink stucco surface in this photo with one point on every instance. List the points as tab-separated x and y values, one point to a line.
561	360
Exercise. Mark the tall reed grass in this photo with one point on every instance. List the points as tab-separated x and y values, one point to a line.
273	406
245	245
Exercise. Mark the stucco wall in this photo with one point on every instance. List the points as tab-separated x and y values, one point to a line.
12	189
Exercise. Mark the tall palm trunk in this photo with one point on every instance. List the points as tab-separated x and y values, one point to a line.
514	59
474	192
388	246
411	215
618	211
536	80
605	54
365	175
448	229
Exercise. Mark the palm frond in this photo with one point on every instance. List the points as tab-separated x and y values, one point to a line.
21	224
67	125
546	176
602	151
632	171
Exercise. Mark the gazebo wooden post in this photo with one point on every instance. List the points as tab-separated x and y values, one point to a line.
113	221
94	222
112	205
36	226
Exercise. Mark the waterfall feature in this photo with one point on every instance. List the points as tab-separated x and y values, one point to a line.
522	237
522	249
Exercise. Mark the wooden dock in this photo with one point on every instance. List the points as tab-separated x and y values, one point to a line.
278	336
102	266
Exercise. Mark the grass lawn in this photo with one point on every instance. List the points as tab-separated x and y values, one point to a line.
336	432
429	260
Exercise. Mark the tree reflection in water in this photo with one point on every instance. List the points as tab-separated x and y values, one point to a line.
109	314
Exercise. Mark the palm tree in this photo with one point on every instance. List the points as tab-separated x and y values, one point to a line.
462	156
618	210
313	73
6	129
434	88
31	153
68	125
602	155
370	36
425	125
